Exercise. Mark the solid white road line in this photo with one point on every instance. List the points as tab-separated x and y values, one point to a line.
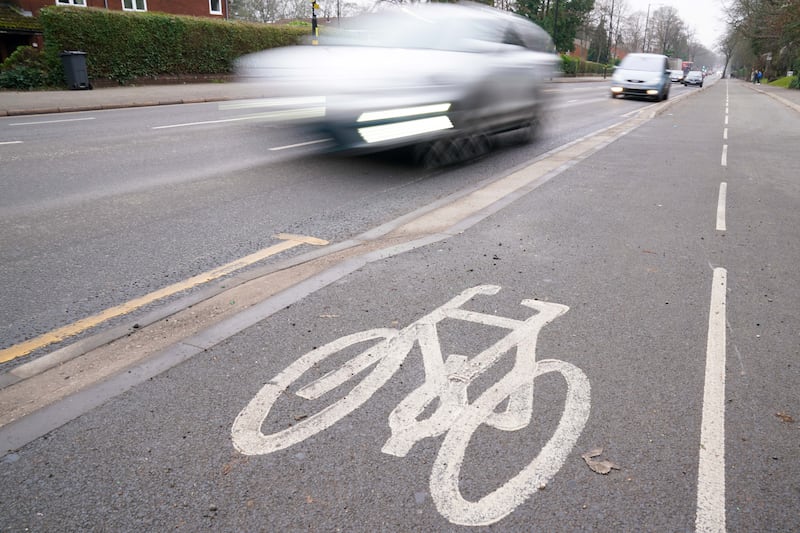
202	123
298	145
711	468
723	190
50	121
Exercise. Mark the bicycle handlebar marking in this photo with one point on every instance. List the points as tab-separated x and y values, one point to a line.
446	380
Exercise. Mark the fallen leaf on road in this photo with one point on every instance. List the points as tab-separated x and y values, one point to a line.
601	467
785	418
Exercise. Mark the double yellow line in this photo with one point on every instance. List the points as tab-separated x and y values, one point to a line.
57	335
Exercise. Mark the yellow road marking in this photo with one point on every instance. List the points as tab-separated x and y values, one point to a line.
24	348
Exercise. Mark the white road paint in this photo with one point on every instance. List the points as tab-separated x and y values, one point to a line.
725	134
724	160
726	120
445	386
203	123
10	142
723	189
269	116
298	145
576	102
637	111
446	473
711	472
37	122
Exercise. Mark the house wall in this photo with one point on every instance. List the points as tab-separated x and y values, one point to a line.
197	8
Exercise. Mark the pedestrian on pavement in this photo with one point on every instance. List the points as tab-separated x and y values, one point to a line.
760	75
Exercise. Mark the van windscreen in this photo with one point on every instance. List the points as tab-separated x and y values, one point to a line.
640	62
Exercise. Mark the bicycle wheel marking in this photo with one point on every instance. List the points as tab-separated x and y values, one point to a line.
446	380
503	501
246	432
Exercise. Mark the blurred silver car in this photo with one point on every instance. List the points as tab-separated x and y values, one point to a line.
440	77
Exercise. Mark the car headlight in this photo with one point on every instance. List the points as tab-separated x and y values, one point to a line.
408	128
402	112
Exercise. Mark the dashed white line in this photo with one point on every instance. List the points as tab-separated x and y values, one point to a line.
724	160
726	120
10	142
711	469
721	202
725	134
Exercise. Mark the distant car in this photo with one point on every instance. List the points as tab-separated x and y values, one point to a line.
676	76
441	78
642	75
694	77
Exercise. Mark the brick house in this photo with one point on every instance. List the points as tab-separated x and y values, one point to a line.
19	25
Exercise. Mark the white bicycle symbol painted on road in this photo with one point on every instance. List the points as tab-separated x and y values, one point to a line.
446	380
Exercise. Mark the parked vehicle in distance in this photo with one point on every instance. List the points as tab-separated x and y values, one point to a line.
439	77
676	76
642	75
694	77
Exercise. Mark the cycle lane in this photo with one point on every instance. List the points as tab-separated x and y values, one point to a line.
619	247
762	249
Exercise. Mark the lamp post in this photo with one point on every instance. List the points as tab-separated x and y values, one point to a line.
555	27
314	27
646	43
610	31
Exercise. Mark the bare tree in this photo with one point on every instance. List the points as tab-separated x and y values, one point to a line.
667	28
632	32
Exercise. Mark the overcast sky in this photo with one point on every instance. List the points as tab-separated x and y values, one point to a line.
706	17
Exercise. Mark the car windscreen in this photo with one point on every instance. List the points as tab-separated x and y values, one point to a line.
640	62
407	29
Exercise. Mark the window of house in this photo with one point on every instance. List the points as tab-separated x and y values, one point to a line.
71	2
134	5
216	7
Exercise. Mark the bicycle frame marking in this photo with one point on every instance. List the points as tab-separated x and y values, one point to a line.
447	380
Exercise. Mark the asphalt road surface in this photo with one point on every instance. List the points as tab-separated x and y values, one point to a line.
100	208
625	304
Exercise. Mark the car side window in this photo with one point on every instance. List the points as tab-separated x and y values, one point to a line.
512	37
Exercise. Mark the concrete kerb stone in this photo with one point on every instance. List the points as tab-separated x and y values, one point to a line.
776	97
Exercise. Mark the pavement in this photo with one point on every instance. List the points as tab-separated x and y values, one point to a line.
789	97
13	103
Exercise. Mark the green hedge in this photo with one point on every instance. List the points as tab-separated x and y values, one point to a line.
575	66
122	46
24	69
